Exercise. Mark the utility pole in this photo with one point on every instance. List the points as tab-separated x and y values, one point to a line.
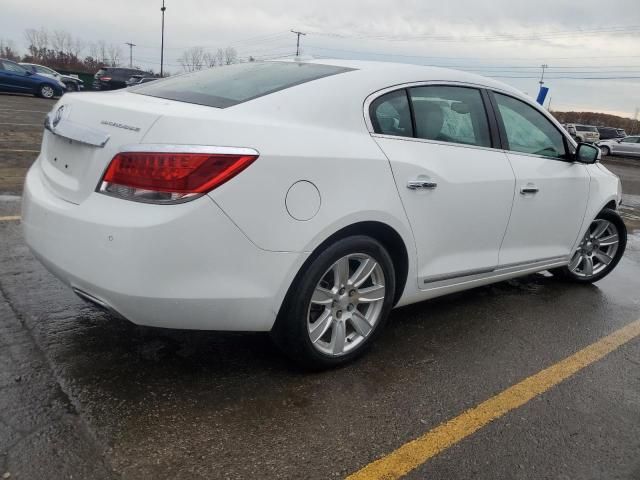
635	129
298	43
544	67
131	45
162	41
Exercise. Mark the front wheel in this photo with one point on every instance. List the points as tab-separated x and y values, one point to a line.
337	304
605	151
599	251
46	91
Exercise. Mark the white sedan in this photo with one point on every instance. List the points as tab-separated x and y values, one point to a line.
627	146
310	198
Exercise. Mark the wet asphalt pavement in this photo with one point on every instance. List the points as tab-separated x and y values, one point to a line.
85	395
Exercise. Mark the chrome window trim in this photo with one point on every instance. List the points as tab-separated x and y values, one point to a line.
452	83
436	142
400	86
178	148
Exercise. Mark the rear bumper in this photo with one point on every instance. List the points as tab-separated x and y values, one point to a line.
174	266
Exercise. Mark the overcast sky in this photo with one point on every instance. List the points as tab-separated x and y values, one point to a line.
499	38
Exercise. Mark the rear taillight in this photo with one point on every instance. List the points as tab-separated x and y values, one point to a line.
104	79
171	177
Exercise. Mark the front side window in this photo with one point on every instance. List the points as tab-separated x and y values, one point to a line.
450	114
391	115
630	140
528	130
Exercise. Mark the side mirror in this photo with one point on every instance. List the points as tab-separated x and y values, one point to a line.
587	153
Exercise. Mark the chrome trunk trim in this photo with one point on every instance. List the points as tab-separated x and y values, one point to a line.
76	132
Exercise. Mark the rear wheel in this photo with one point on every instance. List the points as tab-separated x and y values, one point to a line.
599	251
605	150
337	304
46	91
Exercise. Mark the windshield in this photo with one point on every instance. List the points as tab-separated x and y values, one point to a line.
223	87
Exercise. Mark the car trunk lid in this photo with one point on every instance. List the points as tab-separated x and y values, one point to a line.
84	134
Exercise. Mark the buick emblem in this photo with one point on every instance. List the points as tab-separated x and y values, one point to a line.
58	116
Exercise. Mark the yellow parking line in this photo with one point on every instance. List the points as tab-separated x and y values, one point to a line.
416	452
10	218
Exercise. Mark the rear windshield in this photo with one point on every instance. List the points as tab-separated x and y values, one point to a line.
223	87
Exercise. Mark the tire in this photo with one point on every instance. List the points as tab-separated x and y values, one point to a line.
591	251
46	91
325	304
605	151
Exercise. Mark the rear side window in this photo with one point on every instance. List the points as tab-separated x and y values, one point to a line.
450	114
528	131
223	87
391	115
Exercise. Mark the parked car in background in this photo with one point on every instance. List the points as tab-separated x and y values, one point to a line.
621	132
113	78
140	79
627	146
211	200
72	84
607	133
15	78
583	133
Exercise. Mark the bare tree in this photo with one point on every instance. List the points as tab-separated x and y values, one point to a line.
38	41
8	51
195	58
220	57
210	59
61	41
230	55
77	46
114	53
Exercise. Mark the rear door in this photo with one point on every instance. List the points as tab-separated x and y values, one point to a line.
456	188
551	190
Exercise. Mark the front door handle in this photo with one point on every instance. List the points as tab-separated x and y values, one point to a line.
528	189
421	184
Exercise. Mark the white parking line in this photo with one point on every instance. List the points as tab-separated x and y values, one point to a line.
23	124
18	150
15	110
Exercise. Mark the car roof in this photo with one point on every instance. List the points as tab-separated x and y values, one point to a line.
379	74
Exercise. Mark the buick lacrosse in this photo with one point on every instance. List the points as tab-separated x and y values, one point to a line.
308	198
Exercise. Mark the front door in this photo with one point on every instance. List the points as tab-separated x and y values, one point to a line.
551	190
456	189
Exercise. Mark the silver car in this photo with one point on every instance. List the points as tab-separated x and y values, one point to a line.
628	146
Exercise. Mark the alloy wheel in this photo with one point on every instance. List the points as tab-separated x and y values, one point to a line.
597	249
346	304
47	91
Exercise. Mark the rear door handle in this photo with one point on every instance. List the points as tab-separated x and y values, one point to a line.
421	184
528	189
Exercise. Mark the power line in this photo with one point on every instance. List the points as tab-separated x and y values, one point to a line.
631	29
440	57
